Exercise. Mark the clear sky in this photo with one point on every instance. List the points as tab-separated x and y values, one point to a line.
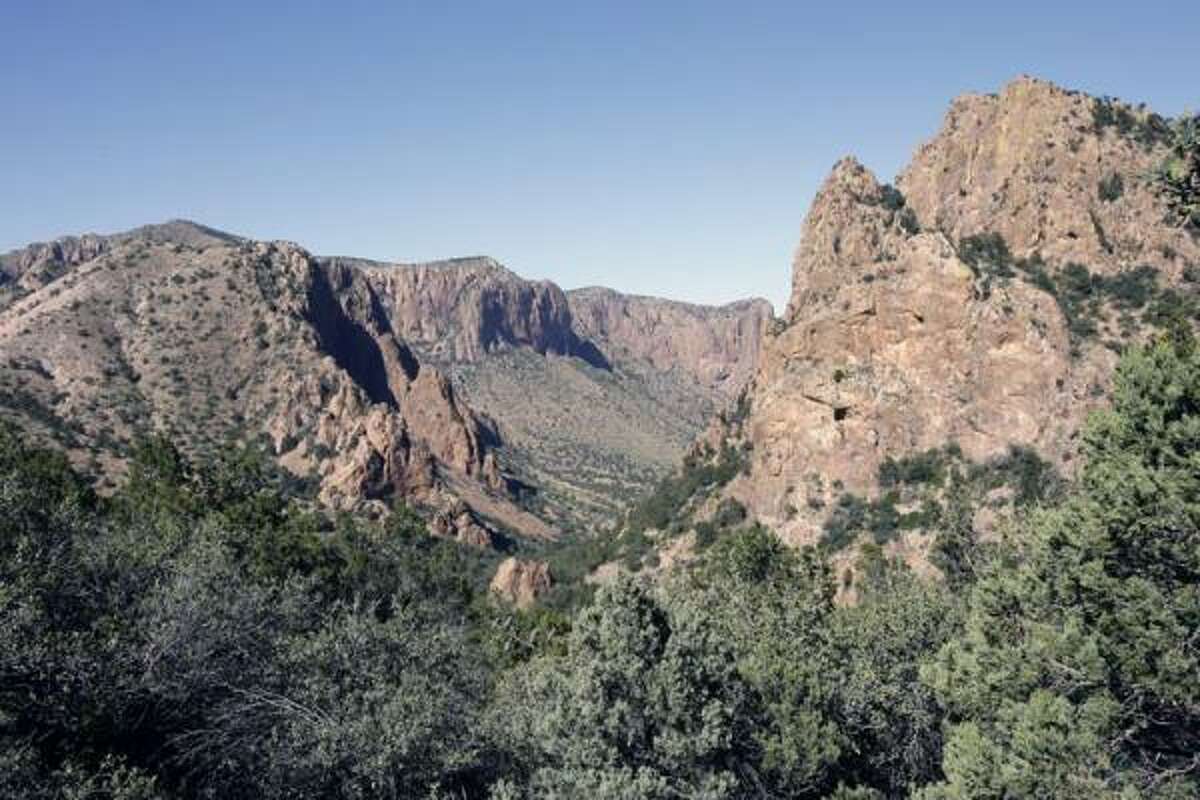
658	148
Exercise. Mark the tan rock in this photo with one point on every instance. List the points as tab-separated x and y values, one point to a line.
717	345
892	345
520	582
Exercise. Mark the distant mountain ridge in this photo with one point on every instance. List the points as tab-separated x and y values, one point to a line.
362	377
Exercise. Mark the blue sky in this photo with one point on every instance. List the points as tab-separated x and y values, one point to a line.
658	148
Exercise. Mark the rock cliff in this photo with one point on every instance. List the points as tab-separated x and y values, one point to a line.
716	346
981	303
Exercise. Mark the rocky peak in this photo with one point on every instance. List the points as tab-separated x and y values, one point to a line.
1052	171
181	232
899	340
854	223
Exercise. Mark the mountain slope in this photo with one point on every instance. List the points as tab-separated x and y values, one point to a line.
976	308
594	394
456	386
229	339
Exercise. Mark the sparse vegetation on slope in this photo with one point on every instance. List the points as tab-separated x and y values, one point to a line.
1086	299
1177	178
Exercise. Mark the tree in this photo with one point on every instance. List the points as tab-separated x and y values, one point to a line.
1177	178
646	703
1078	672
840	705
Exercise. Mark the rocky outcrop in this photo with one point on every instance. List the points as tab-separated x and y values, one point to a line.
1052	171
521	582
895	341
716	345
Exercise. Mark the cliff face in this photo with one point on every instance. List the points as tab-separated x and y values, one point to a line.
980	305
717	346
464	309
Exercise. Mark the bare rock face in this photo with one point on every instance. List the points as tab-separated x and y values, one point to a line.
1055	172
894	344
460	310
521	582
717	346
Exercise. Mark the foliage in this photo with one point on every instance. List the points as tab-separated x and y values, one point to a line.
1082	296
1078	669
893	200
927	467
987	255
198	635
1146	128
1111	187
1177	178
700	474
941	491
646	703
837	688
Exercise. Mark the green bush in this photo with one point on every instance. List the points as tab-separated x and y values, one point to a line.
1146	128
1075	673
1177	177
1111	187
987	255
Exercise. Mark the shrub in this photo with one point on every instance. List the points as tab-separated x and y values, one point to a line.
1111	187
1177	177
987	255
891	198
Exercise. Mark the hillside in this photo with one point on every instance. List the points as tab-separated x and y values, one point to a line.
456	386
594	395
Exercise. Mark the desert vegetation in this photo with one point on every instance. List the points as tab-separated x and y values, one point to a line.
1086	299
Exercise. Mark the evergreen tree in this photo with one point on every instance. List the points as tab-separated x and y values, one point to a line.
1078	673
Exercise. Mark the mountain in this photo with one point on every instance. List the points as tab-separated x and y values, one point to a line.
972	313
594	394
367	382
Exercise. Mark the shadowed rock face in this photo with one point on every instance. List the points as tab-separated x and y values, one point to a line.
893	343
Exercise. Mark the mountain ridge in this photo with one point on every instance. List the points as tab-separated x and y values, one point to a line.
388	416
